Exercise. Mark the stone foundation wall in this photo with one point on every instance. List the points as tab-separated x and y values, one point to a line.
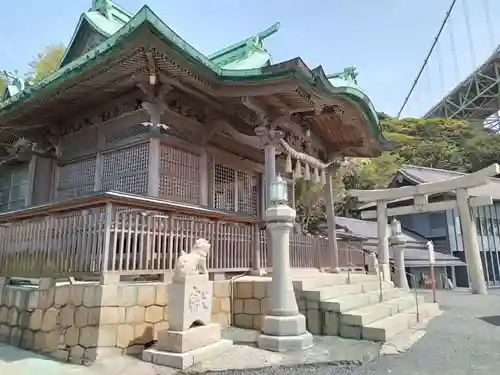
78	322
251	302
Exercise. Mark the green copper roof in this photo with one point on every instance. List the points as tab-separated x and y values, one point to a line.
104	18
241	70
247	54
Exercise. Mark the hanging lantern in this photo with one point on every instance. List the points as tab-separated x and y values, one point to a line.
307	172
288	164
278	192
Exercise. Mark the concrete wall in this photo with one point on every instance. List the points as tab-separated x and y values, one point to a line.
77	323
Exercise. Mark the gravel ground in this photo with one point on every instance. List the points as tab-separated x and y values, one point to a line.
465	339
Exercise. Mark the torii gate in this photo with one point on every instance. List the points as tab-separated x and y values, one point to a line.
419	193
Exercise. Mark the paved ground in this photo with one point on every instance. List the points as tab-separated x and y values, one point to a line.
463	340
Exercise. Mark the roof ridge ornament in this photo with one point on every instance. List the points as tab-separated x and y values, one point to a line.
102	6
348	74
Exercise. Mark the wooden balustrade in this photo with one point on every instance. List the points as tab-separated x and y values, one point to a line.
130	234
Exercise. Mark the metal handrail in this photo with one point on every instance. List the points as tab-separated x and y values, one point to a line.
381	295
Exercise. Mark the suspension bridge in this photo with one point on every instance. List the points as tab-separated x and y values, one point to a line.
460	75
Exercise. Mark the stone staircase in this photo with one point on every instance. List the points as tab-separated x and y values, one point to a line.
334	307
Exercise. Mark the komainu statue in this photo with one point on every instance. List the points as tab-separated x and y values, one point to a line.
192	263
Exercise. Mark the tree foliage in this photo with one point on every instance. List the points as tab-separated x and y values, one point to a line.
46	62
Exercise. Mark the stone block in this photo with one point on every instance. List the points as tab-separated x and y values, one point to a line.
51	341
135	314
49	321
60	354
222	289
10	296
268	289
143	333
109	295
185	360
21	299
81	316
76	354
251	306
4	314
238	306
92	296
107	336
193	338
27	339
259	289
46	298
109	315
32	299
76	295
154	314
243	321
244	289
190	302
124	335
161	298
13	316
221	318
128	295
265	305
67	316
331	323
38	341
4	333
61	296
15	336
286	343
314	321
350	332
88	336
146	295
257	322
157	327
283	325
71	336
24	319
225	304
215	305
36	319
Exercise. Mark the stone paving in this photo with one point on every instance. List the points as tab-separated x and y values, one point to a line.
463	340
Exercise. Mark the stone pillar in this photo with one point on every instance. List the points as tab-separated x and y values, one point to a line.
383	242
330	220
398	242
469	235
269	168
283	327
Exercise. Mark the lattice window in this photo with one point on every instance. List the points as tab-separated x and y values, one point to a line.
179	175
182	132
13	187
80	143
235	190
121	132
76	179
126	170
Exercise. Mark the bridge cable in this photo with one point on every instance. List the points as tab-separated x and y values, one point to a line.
489	26
453	49
440	66
443	24
469	34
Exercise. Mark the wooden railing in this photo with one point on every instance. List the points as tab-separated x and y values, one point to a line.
130	234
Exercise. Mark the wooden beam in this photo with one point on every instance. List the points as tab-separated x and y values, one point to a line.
470	180
428	207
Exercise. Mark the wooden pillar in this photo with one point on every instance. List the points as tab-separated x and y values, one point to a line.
471	248
331	223
383	240
204	178
154	168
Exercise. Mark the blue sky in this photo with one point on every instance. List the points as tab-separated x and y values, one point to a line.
385	39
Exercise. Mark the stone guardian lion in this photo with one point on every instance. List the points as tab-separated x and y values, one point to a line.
192	263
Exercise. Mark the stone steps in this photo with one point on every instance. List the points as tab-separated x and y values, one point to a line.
385	329
333	291
326	280
355	311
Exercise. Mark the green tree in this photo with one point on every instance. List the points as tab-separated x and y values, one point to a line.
46	62
3	85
